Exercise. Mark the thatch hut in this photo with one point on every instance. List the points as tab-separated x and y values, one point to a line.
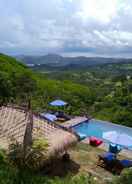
24	126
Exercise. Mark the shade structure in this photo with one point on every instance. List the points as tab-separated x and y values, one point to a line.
28	128
49	117
58	103
118	138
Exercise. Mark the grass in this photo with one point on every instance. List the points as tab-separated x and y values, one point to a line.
83	162
86	157
11	175
80	169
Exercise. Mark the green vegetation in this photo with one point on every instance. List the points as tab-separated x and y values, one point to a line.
103	91
16	80
125	178
18	84
9	174
30	157
111	86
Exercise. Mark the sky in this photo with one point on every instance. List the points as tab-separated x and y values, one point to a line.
67	27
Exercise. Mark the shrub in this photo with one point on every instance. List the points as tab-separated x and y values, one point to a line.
30	157
2	156
125	178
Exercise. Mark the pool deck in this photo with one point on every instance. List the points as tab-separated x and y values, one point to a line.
75	121
105	146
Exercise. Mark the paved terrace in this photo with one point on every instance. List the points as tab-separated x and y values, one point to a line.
75	121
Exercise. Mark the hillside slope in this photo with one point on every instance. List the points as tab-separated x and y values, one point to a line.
105	98
18	84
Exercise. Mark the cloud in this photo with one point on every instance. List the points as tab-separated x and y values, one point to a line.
96	27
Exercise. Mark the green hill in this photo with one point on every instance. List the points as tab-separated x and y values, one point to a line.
18	83
8	63
11	72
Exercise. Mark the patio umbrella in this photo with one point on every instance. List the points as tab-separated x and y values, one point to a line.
118	138
49	117
58	103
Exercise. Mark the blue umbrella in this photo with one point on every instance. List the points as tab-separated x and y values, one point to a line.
58	103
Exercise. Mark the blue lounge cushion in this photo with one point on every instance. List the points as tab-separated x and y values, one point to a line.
109	156
49	117
126	163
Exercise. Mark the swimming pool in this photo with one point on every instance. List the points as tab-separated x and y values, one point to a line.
96	128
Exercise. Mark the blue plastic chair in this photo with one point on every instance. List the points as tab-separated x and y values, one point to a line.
114	148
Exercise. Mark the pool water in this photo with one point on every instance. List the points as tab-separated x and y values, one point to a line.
96	128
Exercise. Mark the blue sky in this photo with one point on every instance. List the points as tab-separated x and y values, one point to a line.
68	27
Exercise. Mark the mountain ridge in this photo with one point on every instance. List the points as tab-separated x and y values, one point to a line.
58	60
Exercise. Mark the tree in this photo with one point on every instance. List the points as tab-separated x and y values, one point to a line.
25	85
5	87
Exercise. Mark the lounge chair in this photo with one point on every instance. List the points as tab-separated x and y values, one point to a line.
49	117
61	116
107	160
122	164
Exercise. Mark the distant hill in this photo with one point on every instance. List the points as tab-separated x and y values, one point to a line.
47	59
54	60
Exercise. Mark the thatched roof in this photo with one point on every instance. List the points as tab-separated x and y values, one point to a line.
13	122
58	139
23	126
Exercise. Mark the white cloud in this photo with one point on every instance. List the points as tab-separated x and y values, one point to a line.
41	26
100	10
